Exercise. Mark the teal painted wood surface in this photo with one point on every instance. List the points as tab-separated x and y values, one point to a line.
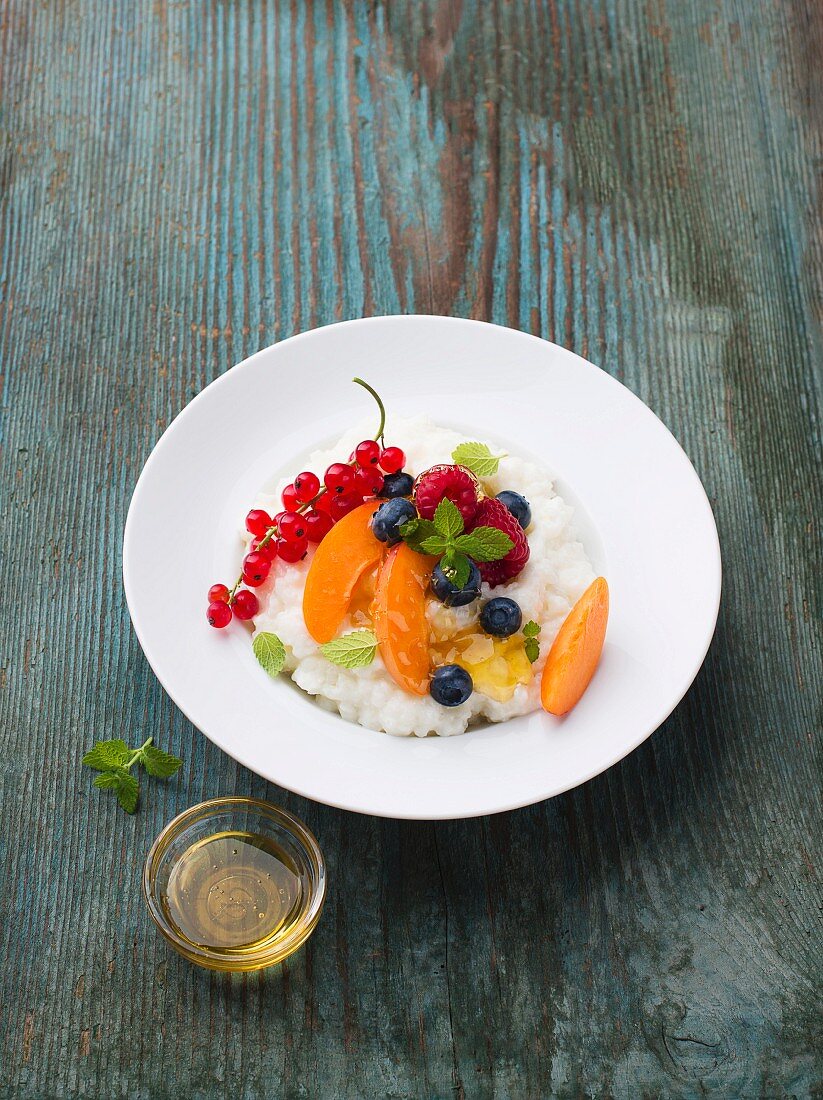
186	181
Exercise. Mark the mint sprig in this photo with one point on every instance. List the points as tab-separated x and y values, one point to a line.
353	650
270	652
114	760
531	644
444	537
478	458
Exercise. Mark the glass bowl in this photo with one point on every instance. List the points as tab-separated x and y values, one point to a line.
235	884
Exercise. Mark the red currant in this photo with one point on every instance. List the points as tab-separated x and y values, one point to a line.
291	501
292	527
341	506
255	568
218	614
368	481
245	604
267	549
392	460
292	551
339	478
323	504
218	593
307	486
258	521
318	524
367	453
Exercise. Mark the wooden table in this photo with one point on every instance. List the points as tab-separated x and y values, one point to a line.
186	181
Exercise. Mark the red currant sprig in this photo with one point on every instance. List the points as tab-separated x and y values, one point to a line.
310	511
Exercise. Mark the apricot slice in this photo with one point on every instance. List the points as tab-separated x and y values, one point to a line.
399	614
341	559
576	650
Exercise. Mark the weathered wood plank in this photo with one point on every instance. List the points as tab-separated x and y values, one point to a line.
182	184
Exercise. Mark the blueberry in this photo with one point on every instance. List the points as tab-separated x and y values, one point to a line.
451	596
389	517
450	685
517	505
501	617
397	485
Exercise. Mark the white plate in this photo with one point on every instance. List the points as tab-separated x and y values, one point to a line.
642	514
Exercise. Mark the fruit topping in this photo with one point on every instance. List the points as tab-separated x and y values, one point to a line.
517	505
310	512
318	524
367	453
450	685
292	551
219	614
306	486
493	513
292	527
256	568
392	460
397	485
341	505
389	517
245	604
399	614
339	478
344	555
258	522
501	617
291	501
448	593
265	546
497	665
368	481
576	650
455	482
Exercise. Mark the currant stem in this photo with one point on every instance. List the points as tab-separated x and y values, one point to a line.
380	405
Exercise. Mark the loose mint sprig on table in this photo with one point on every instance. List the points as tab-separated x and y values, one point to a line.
444	537
114	760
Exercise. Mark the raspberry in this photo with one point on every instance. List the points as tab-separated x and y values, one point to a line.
455	482
493	513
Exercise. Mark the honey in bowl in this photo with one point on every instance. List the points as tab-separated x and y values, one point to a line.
233	890
235	884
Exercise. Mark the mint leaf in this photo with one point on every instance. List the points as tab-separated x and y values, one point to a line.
447	519
456	566
354	650
532	647
158	763
484	544
114	760
416	531
434	544
270	652
123	784
128	793
107	754
531	629
478	458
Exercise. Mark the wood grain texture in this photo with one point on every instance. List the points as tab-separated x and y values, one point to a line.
186	181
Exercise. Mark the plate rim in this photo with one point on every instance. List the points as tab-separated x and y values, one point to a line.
507	803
